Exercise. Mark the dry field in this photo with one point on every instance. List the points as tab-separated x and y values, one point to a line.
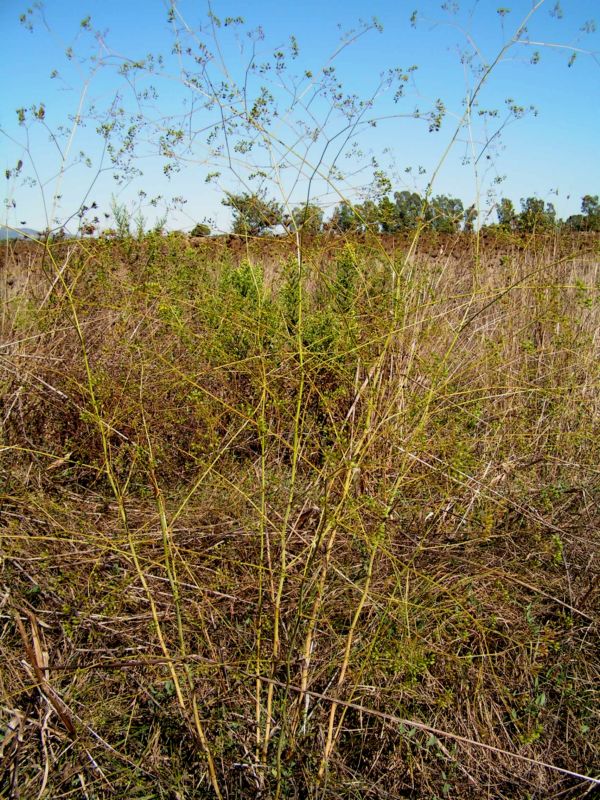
318	532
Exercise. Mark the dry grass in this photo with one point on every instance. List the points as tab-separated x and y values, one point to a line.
327	533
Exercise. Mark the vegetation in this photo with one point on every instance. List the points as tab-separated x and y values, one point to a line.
200	229
253	215
311	509
589	219
326	533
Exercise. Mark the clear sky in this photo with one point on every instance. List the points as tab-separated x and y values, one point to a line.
553	153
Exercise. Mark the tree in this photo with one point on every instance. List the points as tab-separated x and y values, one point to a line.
409	209
507	215
368	216
253	214
590	208
469	219
201	229
446	214
536	215
344	219
577	222
308	218
388	218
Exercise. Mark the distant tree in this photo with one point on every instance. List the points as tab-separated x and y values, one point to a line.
388	217
201	229
552	219
308	218
344	219
470	218
590	209
409	209
358	218
507	215
445	214
536	215
576	222
590	206
368	216
253	214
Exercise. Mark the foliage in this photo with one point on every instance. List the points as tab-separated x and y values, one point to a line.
344	219
445	214
253	214
507	215
470	219
308	218
200	229
410	208
536	215
589	219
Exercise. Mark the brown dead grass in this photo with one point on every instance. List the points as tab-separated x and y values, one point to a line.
350	554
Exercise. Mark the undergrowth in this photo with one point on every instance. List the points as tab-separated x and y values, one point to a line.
319	529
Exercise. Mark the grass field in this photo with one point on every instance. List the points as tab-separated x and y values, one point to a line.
326	531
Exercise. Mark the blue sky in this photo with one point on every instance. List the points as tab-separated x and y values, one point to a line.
553	153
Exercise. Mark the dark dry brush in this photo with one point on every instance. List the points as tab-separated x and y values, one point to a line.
254	521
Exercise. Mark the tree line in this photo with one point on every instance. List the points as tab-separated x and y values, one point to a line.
254	214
